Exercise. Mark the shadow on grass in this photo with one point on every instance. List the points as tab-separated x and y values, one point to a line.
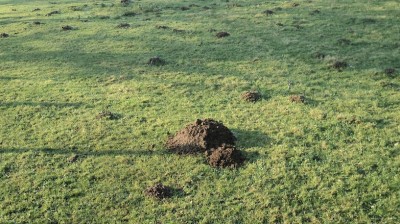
42	104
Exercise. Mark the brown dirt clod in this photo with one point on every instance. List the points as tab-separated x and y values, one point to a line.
389	71
4	35
225	156
251	96
222	34
124	25
339	65
156	61
297	99
200	136
65	28
159	191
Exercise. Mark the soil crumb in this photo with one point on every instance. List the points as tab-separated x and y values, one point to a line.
297	99
222	34
4	35
200	136
251	96
159	191
339	65
156	61
225	156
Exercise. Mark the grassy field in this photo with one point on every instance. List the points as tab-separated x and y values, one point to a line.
333	159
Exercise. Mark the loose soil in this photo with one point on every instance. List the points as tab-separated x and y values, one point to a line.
200	136
65	28
155	61
108	115
297	99
124	25
251	96
339	65
222	34
4	35
225	156
159	191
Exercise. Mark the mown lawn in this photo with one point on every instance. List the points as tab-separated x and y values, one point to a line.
333	159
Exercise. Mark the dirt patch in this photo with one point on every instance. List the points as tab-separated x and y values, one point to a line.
159	191
124	25
4	35
339	65
225	156
53	13
108	115
268	12
251	96
200	136
297	99
73	158
390	72
156	61
222	34
66	28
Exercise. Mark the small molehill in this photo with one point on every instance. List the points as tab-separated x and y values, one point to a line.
53	13
108	115
66	28
222	34
4	35
156	61
159	191
390	72
200	136
124	25
251	96
225	156
339	65
297	99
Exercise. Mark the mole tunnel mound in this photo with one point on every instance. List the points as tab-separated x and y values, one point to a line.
200	136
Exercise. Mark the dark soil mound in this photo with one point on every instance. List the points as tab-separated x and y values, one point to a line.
297	99
390	72
251	96
268	12
200	136
225	156
339	65
222	34
108	115
65	28
124	25
53	13
156	61
159	191
4	35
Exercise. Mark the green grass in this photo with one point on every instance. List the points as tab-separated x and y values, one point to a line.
333	160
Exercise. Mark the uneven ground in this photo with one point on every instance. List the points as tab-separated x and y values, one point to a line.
84	116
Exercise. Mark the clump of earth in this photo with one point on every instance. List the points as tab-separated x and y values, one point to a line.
159	191
222	34
156	61
225	156
209	137
339	65
297	99
251	96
